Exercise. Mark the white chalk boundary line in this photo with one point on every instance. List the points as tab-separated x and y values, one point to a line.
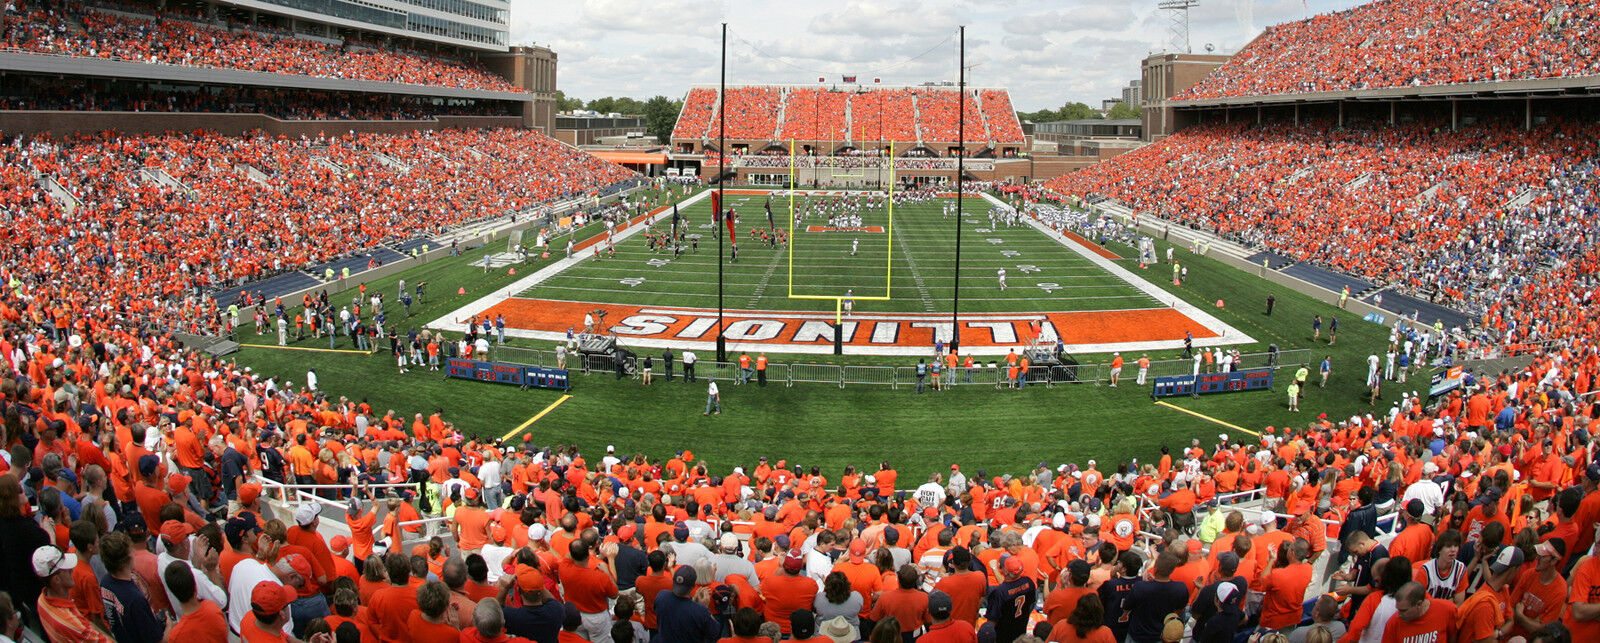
1226	335
456	320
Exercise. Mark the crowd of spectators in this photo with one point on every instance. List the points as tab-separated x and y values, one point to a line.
1001	116
84	31
815	114
1419	208
864	116
694	120
141	251
1408	43
71	94
132	490
940	116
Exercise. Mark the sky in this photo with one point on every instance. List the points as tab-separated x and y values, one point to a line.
1047	52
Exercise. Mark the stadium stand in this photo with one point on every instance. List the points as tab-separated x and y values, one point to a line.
287	222
695	119
1388	204
901	115
1396	43
812	114
88	32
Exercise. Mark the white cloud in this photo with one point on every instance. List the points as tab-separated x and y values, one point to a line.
1047	52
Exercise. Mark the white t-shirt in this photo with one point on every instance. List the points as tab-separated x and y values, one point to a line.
203	586
930	494
246	575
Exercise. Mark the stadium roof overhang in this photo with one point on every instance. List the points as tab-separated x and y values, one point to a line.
1511	89
81	66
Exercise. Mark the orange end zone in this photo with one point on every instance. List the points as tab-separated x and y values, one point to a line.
995	330
1090	245
876	229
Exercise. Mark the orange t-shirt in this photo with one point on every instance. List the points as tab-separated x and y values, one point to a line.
908	606
391	608
204	624
1482	613
422	631
86	590
785	594
1068	634
966	594
1059	605
1585	584
474	522
1285	591
1439	622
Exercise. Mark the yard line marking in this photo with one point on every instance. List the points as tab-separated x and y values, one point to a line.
761	286
302	348
916	276
1207	418
535	418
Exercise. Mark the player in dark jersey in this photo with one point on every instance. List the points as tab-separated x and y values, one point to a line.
1010	603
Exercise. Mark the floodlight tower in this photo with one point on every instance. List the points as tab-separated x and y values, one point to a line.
1178	15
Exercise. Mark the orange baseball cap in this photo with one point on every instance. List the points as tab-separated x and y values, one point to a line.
248	492
178	482
339	544
858	550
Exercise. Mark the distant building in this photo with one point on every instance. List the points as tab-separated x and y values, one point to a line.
1133	94
1163	76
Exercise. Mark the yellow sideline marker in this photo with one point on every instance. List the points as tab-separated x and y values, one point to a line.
535	418
302	348
1208	418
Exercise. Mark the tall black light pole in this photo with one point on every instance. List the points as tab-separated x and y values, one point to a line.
961	171
722	180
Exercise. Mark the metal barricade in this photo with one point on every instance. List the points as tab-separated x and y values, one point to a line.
814	374
870	375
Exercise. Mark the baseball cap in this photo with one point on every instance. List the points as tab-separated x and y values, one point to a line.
1509	557
241	524
537	531
339	544
299	564
891	536
858	550
47	560
470	494
178	482
939	604
1553	547
803	624
626	532
305	514
529	579
728	542
683	578
1013	565
794	561
782	541
1225	591
174	531
1594	472
269	598
67	474
248	492
680	531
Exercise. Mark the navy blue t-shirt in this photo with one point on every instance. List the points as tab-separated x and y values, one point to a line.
1152	601
682	620
128	612
541	623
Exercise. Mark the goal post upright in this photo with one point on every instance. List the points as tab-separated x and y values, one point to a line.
888	261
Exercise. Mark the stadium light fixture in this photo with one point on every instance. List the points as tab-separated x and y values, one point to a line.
1178	15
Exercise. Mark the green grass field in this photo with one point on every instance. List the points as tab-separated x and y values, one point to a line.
914	258
978	427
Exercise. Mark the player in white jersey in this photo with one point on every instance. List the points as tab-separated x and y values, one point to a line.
1002	275
854	243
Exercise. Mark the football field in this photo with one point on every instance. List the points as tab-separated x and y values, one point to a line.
887	278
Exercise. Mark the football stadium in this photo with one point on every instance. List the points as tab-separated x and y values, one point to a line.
342	321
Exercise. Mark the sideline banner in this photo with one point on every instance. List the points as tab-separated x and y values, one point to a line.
505	373
1250	379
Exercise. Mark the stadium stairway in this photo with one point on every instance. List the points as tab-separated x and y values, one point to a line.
983	116
777	125
68	202
916	118
391	161
159	177
849	120
250	172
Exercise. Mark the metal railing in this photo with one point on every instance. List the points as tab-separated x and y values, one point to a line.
988	373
